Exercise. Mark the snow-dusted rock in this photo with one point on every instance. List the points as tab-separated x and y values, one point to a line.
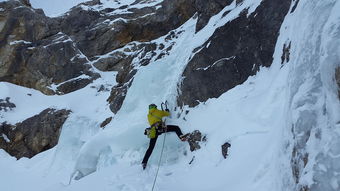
194	140
33	135
225	148
35	54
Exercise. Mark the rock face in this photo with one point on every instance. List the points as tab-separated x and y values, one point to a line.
34	51
34	135
235	52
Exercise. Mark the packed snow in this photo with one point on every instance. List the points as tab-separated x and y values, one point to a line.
254	117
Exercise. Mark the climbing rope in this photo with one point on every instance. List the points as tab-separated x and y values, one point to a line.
160	158
159	162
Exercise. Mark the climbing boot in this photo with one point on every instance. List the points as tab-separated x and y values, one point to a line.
144	166
184	137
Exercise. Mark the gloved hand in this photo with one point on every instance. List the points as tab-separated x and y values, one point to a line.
167	110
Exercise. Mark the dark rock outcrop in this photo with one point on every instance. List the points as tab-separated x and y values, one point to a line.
117	96
296	2
105	122
208	8
225	148
236	51
194	140
33	52
285	53
33	135
6	105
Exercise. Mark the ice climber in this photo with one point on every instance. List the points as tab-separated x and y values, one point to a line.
157	128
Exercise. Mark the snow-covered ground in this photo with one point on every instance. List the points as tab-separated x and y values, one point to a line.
254	117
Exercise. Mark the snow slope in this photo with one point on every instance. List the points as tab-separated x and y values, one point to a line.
255	117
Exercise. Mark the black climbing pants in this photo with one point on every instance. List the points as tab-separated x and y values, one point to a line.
170	128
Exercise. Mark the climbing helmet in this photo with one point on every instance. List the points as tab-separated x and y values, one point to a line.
151	106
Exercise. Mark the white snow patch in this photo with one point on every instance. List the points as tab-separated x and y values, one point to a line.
216	62
5	138
19	42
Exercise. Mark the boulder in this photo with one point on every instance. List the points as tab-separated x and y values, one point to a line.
225	148
34	135
194	139
105	122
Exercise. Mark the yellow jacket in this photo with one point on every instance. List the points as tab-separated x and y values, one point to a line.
156	115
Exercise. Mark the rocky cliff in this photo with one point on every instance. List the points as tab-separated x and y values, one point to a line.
35	53
233	53
35	48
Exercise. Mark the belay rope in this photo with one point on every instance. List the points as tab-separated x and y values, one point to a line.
160	158
159	163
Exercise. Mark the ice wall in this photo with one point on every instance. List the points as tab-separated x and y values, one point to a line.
313	30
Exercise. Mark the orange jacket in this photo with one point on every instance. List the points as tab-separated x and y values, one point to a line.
156	115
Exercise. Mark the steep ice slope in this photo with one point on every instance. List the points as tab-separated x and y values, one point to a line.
313	115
